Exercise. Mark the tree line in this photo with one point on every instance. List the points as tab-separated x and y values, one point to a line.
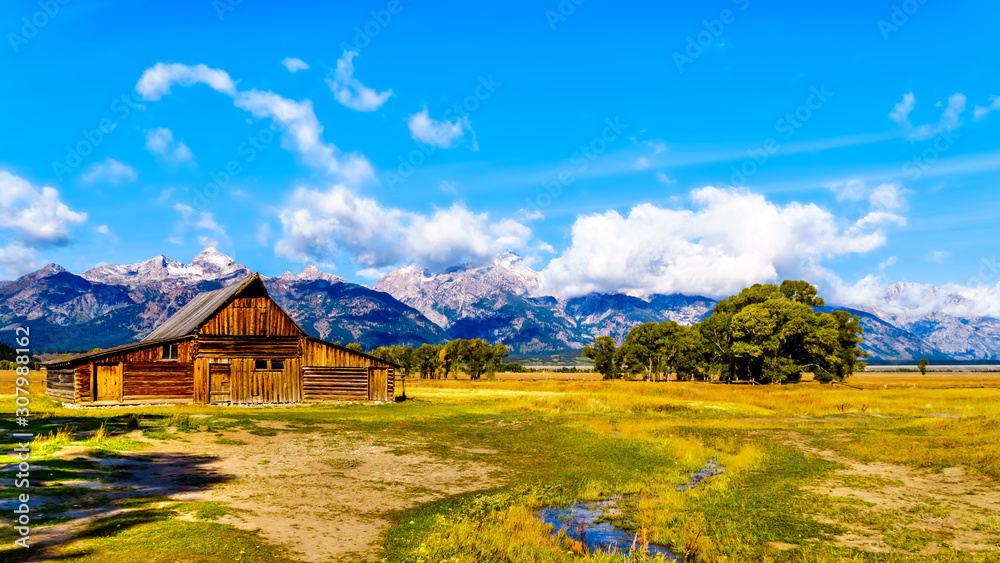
767	333
476	357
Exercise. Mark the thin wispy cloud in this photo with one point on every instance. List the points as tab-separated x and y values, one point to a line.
108	171
349	91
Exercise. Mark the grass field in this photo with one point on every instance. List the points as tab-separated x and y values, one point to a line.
457	473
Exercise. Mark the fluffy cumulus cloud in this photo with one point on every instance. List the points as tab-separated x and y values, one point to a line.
349	91
324	224
729	239
108	171
295	65
949	121
441	134
301	130
34	218
160	142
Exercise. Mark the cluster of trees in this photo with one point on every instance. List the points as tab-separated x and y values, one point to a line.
8	359
475	357
768	333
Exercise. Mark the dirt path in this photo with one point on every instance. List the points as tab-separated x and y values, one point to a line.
323	495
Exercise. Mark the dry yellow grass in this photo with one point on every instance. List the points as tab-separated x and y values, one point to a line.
36	382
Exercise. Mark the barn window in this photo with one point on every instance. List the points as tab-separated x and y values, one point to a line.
260	364
170	352
277	364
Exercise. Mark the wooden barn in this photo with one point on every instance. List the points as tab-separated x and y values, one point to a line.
234	345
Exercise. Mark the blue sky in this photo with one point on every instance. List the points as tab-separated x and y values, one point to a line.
871	126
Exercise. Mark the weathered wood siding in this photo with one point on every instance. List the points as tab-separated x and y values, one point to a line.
260	347
83	393
253	386
319	353
158	381
60	384
251	316
321	383
154	353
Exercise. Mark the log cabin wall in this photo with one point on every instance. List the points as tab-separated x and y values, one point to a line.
330	373
83	393
60	384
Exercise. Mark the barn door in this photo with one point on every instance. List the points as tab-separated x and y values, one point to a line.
108	382
219	383
378	384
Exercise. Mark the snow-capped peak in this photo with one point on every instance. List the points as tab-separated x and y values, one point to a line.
210	264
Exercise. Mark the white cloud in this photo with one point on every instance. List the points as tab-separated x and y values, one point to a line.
641	163
889	262
165	195
175	240
201	220
208	242
950	117
981	111
447	187
157	80
938	256
665	179
731	238
109	171
34	218
657	146
294	65
901	112
320	224
442	134
349	91
302	131
373	273
160	142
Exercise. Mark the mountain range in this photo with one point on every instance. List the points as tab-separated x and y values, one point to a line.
498	301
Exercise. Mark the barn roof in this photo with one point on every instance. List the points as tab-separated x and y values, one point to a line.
199	310
91	356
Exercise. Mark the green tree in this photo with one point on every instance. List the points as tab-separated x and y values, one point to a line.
603	354
426	359
450	356
922	365
643	348
355	347
475	355
497	354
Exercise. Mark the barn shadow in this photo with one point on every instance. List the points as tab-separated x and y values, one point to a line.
85	493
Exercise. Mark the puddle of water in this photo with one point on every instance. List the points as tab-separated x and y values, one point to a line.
710	468
584	521
581	522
